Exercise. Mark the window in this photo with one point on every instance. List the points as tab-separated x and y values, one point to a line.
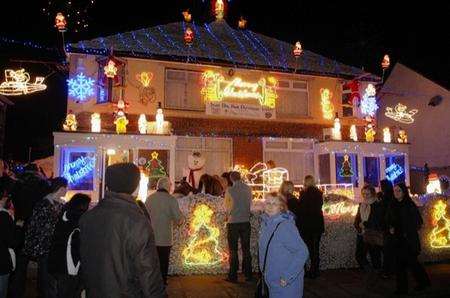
182	90
347	102
324	169
292	98
372	170
77	165
395	168
110	90
347	168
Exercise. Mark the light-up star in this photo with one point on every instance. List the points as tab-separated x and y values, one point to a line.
81	87
154	155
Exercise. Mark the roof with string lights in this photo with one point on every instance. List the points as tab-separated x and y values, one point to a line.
219	44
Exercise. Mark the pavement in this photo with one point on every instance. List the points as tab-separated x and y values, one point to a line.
330	284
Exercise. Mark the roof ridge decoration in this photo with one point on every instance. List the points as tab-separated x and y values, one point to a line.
217	43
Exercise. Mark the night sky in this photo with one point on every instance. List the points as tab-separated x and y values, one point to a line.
355	33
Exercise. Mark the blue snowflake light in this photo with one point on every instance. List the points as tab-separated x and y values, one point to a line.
81	87
369	102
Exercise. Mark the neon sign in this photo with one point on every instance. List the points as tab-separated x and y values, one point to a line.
17	82
400	114
81	87
368	102
393	172
203	251
216	88
336	210
440	235
80	168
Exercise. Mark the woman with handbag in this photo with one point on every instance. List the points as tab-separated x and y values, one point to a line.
369	224
64	256
282	252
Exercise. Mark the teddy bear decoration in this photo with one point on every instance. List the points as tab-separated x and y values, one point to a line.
70	124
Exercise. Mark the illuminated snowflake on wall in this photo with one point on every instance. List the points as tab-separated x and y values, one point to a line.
369	102
81	87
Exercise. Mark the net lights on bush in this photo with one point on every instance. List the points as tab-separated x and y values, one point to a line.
400	114
369	104
81	87
17	82
202	248
440	234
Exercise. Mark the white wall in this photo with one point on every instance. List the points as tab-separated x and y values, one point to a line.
429	134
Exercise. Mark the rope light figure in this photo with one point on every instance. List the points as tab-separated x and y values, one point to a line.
440	235
17	82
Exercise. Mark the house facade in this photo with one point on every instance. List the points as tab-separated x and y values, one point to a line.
234	95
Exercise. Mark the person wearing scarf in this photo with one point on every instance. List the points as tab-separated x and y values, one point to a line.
369	219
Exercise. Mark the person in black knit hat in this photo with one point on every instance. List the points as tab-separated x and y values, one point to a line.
118	253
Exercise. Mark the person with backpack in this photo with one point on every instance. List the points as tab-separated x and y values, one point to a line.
64	256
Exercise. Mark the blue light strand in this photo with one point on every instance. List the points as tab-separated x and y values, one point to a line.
30	43
155	42
283	57
127	46
256	48
139	43
260	43
201	42
224	48
102	41
169	40
251	61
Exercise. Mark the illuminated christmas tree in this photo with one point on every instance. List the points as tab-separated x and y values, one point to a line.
346	169
440	235
155	168
203	245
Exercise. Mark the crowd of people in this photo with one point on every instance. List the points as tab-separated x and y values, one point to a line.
121	247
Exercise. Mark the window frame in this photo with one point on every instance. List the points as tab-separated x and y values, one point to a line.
292	88
166	70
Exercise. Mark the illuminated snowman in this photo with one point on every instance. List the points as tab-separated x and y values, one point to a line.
142	124
95	122
434	185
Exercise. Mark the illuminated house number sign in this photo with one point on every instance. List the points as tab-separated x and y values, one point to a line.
216	88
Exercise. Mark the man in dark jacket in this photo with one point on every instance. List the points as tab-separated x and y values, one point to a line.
311	222
118	253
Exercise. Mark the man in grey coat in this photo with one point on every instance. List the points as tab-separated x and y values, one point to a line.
164	211
238	198
117	246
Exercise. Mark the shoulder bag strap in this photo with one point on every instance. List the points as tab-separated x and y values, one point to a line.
267	248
